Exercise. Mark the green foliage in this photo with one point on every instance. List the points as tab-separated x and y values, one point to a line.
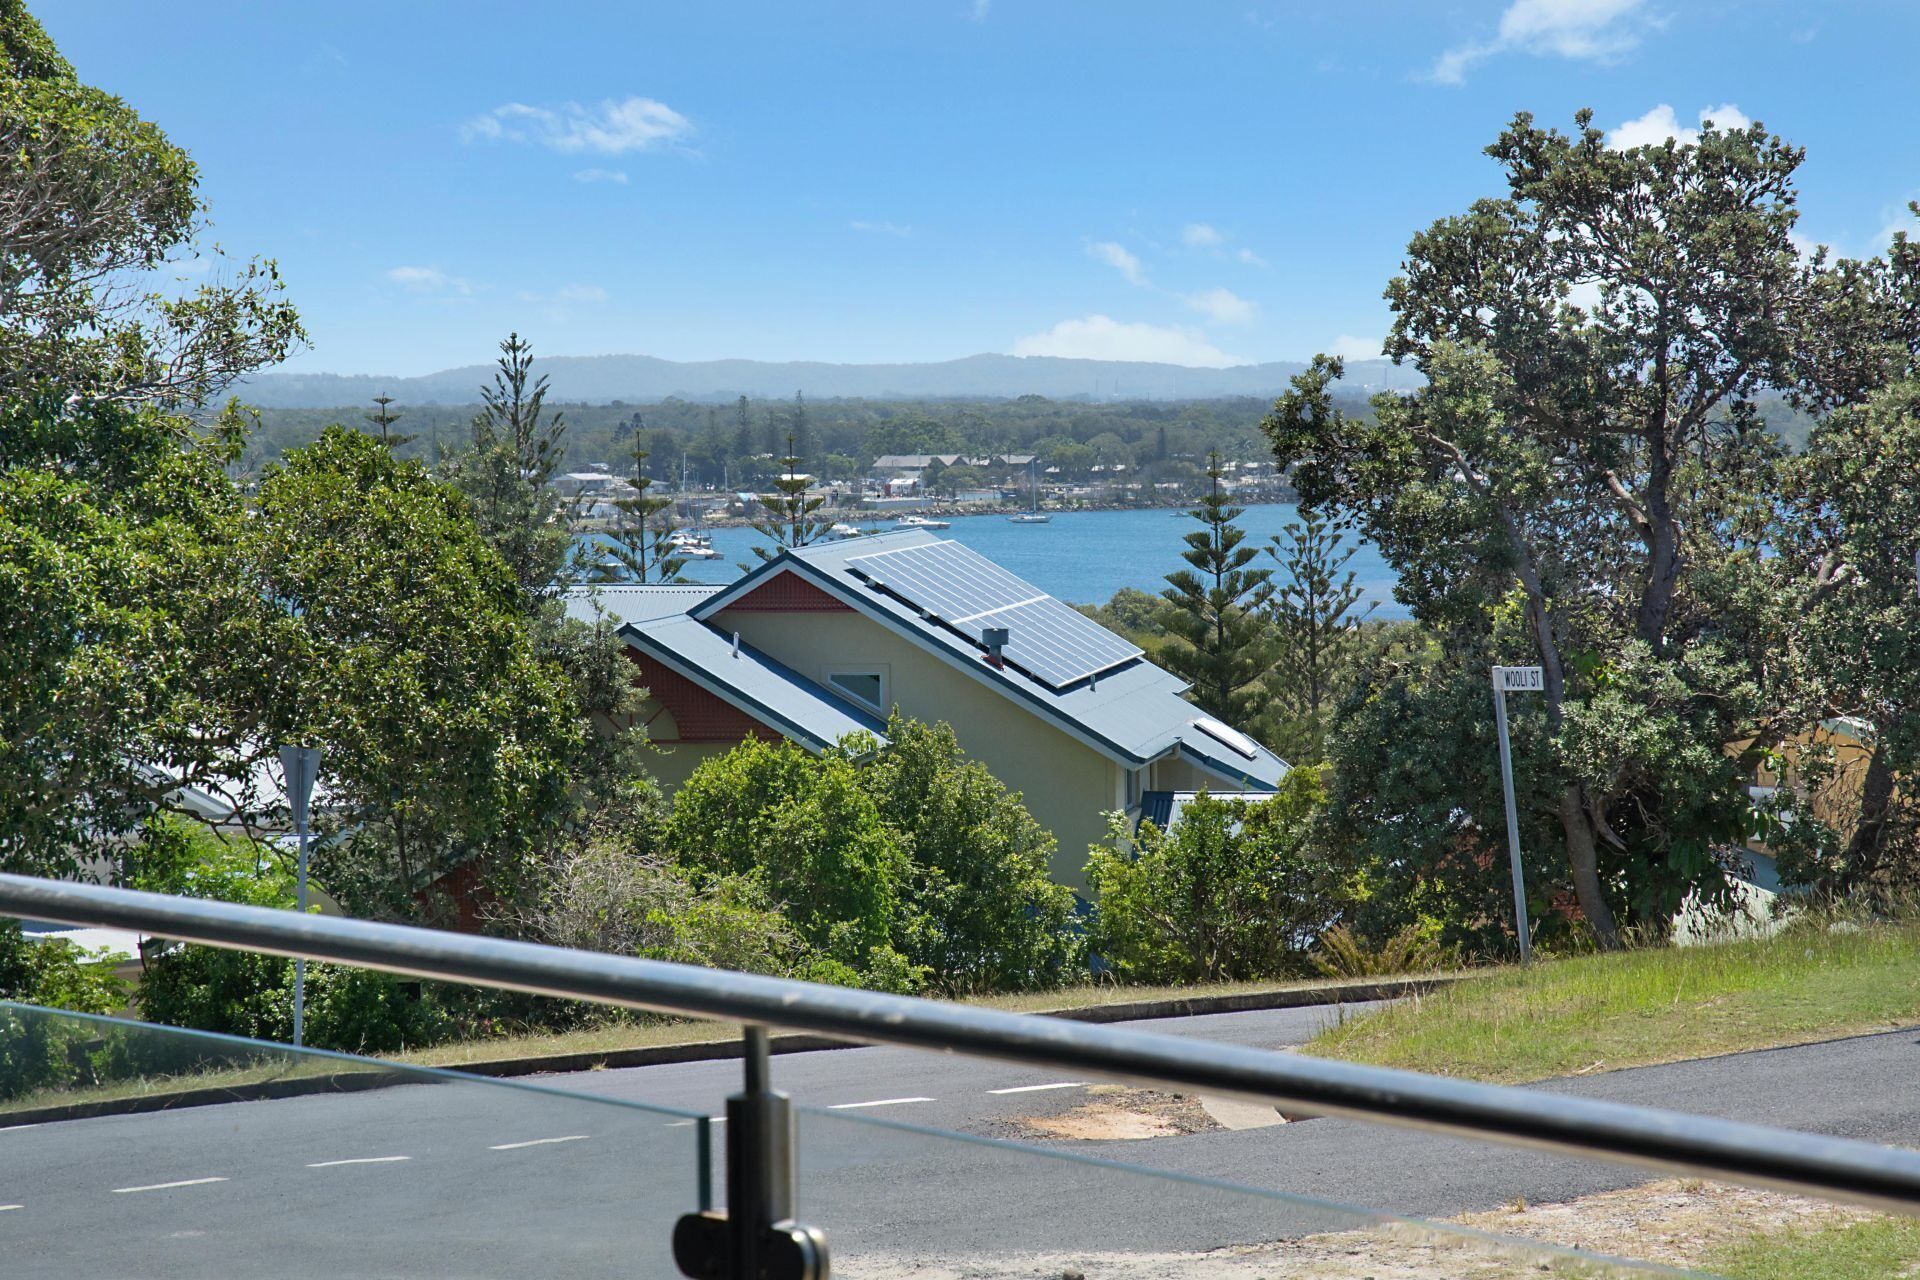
1318	634
984	911
915	869
808	831
515	448
242	993
55	974
1548	469
130	628
1343	954
1214	608
1851	504
638	541
1235	890
789	519
97	198
448	735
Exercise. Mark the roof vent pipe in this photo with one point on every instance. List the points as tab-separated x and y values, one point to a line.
996	639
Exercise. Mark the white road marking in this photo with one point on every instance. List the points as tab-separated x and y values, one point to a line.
5	1207
1042	1088
328	1164
167	1186
882	1102
688	1124
538	1142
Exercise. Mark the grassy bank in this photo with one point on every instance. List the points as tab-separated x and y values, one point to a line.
1601	1012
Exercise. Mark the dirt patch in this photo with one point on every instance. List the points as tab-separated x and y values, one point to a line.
1672	1223
1115	1114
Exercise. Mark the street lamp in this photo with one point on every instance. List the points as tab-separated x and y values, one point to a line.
1514	680
301	765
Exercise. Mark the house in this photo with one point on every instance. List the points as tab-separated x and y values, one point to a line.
824	641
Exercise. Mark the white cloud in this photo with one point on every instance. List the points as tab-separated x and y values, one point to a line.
428	280
1661	123
1201	235
1589	30
1222	306
616	176
1117	257
1251	258
1104	338
612	128
977	12
1348	347
900	229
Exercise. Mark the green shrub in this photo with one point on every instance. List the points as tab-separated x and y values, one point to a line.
1232	892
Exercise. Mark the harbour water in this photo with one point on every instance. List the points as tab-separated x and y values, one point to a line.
1084	557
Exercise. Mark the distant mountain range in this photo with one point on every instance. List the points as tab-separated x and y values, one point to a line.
599	379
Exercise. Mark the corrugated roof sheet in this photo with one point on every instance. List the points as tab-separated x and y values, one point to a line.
771	692
636	603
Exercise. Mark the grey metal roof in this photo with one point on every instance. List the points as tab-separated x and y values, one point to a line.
636	603
770	692
1133	713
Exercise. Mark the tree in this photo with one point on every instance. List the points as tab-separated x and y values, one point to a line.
1215	609
789	520
985	912
639	544
1233	892
382	419
506	471
1316	630
1589	459
452	736
1848	520
137	654
807	829
94	200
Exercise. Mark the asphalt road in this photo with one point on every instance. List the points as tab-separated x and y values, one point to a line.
578	1178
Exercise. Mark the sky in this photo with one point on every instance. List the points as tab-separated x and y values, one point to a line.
878	181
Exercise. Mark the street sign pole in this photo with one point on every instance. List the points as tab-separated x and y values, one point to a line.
300	764
1518	679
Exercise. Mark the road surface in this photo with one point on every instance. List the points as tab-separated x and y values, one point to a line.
584	1174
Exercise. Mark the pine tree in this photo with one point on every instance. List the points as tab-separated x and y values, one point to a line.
516	447
1216	609
800	440
790	520
1317	631
638	543
383	419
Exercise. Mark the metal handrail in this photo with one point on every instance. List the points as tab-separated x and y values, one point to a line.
1755	1155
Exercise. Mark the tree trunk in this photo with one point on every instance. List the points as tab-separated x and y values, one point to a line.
1583	854
1862	859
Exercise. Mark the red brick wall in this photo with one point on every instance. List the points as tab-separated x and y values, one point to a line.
698	714
788	593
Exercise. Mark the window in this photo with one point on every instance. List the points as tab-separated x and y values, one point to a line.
865	685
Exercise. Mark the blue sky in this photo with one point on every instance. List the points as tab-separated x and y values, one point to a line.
893	181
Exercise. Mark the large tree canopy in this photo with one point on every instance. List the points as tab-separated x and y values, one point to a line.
1586	453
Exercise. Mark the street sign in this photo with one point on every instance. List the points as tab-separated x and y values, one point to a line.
1514	680
302	766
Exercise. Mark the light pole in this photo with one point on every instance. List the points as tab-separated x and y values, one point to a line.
1516	680
300	765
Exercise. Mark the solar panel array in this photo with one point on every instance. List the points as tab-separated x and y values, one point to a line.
1050	641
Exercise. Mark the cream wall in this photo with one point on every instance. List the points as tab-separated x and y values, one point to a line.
1066	785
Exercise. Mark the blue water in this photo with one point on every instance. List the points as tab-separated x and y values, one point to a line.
1083	557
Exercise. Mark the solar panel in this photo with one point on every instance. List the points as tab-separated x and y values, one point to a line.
1050	641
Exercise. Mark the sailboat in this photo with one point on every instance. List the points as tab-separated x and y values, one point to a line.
694	543
1033	514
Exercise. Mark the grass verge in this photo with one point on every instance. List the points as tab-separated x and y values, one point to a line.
1860	1251
1602	1012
